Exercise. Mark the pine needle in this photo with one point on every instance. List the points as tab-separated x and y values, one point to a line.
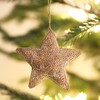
80	30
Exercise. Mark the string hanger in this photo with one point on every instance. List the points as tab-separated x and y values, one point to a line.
49	15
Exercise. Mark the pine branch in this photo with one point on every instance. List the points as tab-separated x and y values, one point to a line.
76	32
92	10
31	37
15	94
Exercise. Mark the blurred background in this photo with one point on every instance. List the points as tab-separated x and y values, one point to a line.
24	23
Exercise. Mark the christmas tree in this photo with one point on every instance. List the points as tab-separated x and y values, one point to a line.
76	23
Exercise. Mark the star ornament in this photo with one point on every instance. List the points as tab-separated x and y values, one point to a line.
48	61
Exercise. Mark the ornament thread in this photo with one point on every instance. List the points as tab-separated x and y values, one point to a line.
49	15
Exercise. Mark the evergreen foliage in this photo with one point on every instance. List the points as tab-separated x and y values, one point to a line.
80	35
15	94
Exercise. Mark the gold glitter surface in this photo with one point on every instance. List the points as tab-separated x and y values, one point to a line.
48	61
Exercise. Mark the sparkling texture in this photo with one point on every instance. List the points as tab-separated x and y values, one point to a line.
48	61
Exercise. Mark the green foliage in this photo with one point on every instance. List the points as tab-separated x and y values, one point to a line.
12	55
81	30
20	10
83	37
15	94
89	87
80	36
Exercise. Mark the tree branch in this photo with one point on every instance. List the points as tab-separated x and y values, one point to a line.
15	94
97	13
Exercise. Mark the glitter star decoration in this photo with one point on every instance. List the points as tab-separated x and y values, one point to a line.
48	61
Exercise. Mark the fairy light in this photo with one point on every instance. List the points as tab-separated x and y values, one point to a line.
56	98
66	31
91	16
96	28
88	7
78	14
60	96
99	98
41	97
67	98
80	96
45	97
96	2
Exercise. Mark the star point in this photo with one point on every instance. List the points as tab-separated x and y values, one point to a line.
48	61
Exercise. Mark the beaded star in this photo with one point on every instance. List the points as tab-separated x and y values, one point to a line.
48	61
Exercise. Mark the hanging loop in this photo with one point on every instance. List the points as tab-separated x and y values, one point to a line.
49	15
